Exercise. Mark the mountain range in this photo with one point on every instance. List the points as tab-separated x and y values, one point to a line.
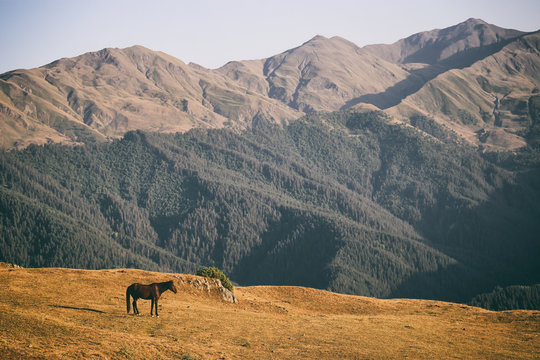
477	79
403	170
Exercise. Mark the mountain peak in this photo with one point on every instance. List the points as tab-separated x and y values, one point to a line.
137	48
474	21
430	47
473	25
316	39
319	37
336	43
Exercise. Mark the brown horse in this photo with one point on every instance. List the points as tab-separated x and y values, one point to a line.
148	292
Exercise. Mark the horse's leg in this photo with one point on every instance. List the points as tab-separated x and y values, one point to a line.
135	308
152	308
156	306
128	295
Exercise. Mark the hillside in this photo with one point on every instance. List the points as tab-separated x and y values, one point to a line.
436	46
492	103
107	93
320	75
479	80
76	314
511	297
348	201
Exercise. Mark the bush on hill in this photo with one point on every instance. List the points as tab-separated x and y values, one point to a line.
215	273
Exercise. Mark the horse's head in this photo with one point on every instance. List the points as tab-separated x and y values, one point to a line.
172	287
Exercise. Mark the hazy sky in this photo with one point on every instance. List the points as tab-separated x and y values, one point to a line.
213	32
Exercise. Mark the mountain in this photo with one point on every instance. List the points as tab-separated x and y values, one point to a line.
436	46
85	317
320	75
109	92
479	80
493	103
388	187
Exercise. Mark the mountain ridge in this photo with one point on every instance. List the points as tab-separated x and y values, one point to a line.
433	46
489	102
106	93
111	91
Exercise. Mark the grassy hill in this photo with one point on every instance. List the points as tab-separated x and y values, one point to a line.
59	313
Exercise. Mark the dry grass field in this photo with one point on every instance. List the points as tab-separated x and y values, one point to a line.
80	314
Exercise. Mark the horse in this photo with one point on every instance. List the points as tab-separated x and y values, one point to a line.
148	292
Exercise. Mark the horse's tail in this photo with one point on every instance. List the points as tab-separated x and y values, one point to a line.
128	293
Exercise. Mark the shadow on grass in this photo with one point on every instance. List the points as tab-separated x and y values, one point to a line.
77	308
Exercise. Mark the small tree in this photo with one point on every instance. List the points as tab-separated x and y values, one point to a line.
215	273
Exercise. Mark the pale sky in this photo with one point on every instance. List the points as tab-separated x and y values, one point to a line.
212	32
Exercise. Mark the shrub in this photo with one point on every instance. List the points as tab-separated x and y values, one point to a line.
215	273
189	357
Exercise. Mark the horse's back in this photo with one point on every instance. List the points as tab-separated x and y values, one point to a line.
140	291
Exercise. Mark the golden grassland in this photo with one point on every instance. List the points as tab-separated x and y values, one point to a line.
80	314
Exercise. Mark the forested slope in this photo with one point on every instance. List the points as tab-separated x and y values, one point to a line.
344	201
509	298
